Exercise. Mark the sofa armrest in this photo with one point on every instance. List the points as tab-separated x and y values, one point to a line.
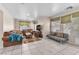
66	36
5	39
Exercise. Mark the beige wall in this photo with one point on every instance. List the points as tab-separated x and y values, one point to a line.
45	22
1	23
8	21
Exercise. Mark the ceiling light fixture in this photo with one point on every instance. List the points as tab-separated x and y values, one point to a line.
70	7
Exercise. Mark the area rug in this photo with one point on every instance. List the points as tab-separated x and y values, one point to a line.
31	40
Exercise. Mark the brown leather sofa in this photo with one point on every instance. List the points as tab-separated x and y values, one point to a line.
37	34
25	33
6	42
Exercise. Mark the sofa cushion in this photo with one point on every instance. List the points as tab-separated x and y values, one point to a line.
6	34
54	33
60	35
59	38
15	37
19	38
12	37
56	38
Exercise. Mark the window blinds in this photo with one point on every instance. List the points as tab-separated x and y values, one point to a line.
76	14
66	19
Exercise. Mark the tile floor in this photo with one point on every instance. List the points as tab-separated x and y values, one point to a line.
42	47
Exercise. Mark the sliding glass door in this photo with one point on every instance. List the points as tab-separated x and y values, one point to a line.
75	30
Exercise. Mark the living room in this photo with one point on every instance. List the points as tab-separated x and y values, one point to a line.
27	27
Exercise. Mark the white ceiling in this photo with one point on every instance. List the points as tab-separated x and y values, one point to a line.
32	10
